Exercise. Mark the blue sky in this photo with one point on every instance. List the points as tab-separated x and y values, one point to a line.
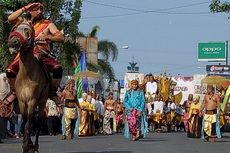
162	35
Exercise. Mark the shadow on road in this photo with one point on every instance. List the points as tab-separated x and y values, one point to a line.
152	139
97	137
225	136
105	152
221	141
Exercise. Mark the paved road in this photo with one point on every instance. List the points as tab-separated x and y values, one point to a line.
155	142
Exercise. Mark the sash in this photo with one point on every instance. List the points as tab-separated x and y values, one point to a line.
40	26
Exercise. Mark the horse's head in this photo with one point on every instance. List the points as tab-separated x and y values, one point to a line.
21	37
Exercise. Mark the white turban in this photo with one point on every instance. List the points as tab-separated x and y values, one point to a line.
4	86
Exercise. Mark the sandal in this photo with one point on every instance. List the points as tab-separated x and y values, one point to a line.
138	135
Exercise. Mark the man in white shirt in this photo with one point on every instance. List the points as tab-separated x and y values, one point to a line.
52	114
151	89
172	106
172	110
158	112
158	106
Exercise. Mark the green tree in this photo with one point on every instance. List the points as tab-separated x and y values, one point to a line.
217	6
5	55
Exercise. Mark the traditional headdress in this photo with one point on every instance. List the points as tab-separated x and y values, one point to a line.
134	82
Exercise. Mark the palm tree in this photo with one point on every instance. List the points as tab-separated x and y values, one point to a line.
107	50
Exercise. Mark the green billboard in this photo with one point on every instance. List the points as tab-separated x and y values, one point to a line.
213	51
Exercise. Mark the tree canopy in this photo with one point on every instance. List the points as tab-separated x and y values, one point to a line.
66	16
218	6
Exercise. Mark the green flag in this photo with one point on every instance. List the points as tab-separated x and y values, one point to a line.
78	81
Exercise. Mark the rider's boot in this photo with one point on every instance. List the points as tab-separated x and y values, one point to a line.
55	85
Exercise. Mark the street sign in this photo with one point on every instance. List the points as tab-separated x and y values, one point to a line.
213	51
218	69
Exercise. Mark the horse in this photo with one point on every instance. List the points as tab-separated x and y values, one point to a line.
32	85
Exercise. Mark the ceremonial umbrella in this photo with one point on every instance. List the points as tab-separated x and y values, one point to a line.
87	74
214	80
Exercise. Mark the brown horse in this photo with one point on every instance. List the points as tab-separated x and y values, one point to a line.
32	84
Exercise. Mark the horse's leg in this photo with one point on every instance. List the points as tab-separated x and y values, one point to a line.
23	110
28	144
40	119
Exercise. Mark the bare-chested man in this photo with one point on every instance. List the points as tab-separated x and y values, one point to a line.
211	107
70	111
108	122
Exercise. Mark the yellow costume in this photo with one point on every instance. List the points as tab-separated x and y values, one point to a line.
86	125
195	121
209	119
70	115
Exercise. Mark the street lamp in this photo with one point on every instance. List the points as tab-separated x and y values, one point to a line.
125	47
133	68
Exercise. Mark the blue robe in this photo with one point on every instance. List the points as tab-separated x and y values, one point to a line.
134	99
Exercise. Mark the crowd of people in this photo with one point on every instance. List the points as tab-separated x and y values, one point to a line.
141	110
136	115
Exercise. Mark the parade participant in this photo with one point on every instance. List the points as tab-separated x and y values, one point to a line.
195	120
221	90
186	106
52	112
185	119
6	104
143	85
134	103
120	116
211	108
45	33
171	114
109	123
100	113
188	102
86	125
179	123
70	109
151	89
158	112
17	120
92	114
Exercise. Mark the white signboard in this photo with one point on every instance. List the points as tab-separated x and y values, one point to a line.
189	85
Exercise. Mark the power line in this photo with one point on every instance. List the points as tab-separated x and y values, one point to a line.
138	11
132	9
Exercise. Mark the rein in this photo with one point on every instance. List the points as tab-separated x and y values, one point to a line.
22	39
19	35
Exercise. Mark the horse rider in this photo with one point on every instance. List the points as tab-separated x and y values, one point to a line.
45	33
